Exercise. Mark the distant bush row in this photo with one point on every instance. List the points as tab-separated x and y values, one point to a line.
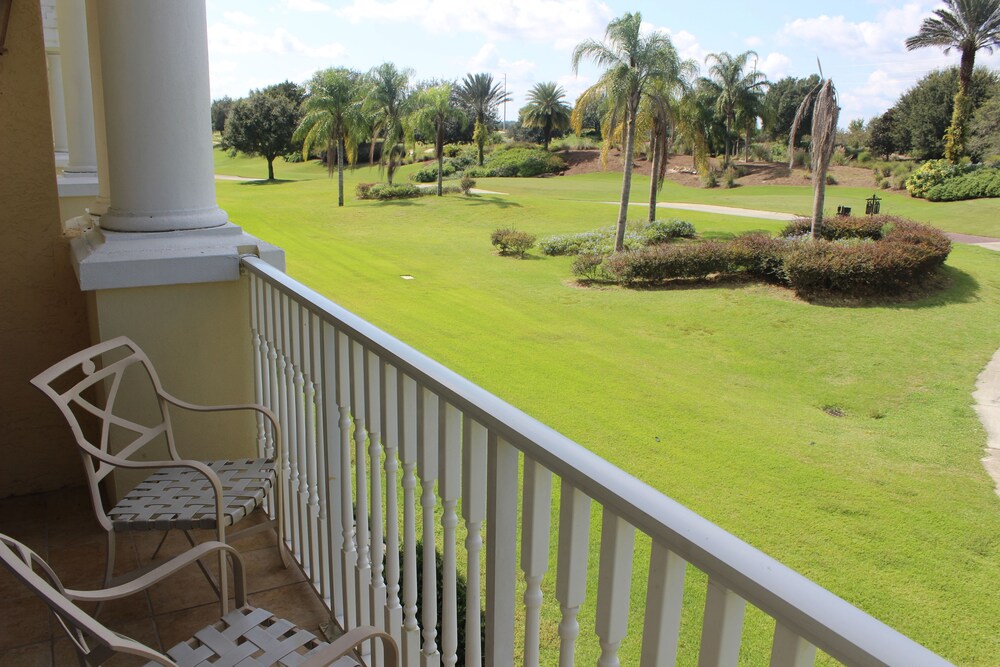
854	256
386	192
939	180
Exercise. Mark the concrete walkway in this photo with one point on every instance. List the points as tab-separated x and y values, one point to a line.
721	210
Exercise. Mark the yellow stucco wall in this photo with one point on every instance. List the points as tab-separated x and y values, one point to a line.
198	338
42	314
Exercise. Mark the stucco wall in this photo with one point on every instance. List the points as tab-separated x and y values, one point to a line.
42	314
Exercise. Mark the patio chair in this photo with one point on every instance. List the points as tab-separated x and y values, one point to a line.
245	636
181	493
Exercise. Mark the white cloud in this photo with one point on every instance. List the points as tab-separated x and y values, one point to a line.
886	34
483	58
307	6
239	18
226	39
774	65
562	23
753	41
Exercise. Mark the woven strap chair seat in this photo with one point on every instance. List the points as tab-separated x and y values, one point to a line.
183	498
249	637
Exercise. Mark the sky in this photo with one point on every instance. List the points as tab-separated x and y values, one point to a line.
859	43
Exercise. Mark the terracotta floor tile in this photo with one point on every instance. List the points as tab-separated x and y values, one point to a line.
23	622
264	570
179	626
184	589
82	565
142	631
35	655
296	603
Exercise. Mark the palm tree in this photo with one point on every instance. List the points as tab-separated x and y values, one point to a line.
482	95
546	110
966	25
333	117
823	101
434	108
387	104
735	84
631	62
749	108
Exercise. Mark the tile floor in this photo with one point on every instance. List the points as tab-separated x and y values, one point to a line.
61	528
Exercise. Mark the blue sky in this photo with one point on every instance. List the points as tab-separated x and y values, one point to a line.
253	43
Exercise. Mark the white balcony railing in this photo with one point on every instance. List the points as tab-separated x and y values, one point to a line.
368	421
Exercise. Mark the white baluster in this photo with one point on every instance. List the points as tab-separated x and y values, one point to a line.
427	468
311	352
364	569
536	510
408	458
292	443
373	417
349	554
258	377
295	330
722	627
501	554
664	598
390	430
789	649
613	585
571	570
474	439
449	486
274	402
331	528
284	417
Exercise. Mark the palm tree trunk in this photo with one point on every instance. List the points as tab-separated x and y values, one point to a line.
340	171
965	69
439	149
654	149
626	176
746	145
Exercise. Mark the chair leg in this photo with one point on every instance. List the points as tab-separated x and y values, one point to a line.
109	567
204	570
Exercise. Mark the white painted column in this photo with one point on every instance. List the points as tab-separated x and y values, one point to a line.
154	66
77	97
57	107
100	206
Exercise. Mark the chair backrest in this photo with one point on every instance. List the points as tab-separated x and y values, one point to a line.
89	383
94	642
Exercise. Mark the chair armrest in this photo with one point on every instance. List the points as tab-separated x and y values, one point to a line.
154	576
194	407
346	643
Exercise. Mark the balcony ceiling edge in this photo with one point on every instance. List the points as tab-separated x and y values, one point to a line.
111	260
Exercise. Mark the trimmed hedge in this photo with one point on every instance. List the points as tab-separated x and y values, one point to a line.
842	227
981	183
510	241
903	254
520	162
602	241
384	191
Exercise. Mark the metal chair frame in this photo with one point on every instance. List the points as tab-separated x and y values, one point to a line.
246	633
196	496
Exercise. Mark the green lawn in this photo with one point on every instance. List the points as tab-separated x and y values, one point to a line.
715	395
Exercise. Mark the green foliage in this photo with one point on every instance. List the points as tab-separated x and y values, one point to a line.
934	172
709	178
782	100
263	123
467	184
510	241
429	173
984	129
546	110
662	231
523	162
881	135
760	255
984	182
220	111
842	227
387	191
602	241
657	263
729	178
589	265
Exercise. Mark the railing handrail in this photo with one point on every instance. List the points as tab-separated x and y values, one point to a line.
814	613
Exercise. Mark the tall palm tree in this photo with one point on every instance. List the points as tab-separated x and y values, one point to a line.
333	117
729	73
434	108
546	110
631	62
482	95
966	25
388	104
749	108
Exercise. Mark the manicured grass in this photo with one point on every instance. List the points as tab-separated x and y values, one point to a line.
715	394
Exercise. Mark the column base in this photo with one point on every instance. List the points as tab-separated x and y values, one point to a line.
104	259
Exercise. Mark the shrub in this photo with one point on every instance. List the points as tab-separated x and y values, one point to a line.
760	153
933	241
800	157
466	184
709	179
385	192
830	179
661	231
899	183
519	161
588	265
574	244
729	177
760	255
510	241
885	184
841	227
664	262
864	157
934	172
983	182
363	190
429	174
